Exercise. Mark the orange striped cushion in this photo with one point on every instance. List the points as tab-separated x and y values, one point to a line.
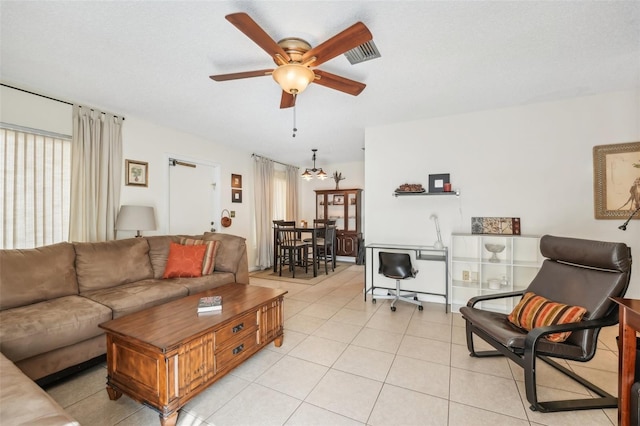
184	261
209	261
536	311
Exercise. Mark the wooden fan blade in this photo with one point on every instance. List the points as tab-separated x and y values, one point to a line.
251	29
239	75
336	82
353	36
287	100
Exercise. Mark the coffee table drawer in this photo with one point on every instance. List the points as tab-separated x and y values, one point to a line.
231	355
247	323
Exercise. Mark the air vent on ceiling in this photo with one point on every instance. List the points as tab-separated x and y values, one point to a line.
364	52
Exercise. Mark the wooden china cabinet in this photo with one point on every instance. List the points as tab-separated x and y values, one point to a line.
345	206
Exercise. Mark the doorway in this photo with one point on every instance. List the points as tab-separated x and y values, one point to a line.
194	196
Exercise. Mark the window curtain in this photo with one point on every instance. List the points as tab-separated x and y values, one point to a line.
263	192
96	174
292	192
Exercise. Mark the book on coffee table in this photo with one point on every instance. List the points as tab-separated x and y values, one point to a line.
210	304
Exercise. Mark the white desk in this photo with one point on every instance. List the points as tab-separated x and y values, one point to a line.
426	253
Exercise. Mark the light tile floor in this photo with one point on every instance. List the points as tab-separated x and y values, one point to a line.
347	362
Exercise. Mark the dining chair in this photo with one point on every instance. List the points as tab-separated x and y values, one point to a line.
291	250
278	224
325	248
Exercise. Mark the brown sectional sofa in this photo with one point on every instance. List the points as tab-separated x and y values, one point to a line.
53	298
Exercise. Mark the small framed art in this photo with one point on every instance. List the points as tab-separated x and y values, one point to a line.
436	182
616	180
236	195
236	181
136	173
338	200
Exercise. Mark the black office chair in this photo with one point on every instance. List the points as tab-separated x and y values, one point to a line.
398	267
578	273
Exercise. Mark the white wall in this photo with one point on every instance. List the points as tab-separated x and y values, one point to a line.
533	162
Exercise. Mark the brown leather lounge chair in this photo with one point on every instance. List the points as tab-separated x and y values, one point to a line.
578	273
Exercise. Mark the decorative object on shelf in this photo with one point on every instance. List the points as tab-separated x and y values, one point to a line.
337	177
616	198
307	175
236	181
494	284
504	281
226	220
438	244
136	173
136	218
495	225
236	195
413	188
495	249
338	200
436	182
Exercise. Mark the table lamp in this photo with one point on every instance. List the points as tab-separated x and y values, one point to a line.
136	218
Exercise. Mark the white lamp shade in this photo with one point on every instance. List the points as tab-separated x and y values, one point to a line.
136	218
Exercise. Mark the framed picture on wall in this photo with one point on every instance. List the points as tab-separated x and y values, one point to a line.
136	173
616	180
436	182
236	195
236	181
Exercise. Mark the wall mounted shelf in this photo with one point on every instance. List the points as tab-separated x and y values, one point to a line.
455	192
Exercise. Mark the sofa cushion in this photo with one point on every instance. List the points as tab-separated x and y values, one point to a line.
112	263
184	261
159	252
21	283
205	282
41	327
209	260
132	297
25	403
230	251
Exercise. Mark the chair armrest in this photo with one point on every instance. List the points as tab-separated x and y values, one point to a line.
537	333
477	299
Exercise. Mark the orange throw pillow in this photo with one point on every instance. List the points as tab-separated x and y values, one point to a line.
184	261
536	311
209	260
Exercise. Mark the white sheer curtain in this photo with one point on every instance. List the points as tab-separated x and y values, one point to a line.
96	171
292	192
263	192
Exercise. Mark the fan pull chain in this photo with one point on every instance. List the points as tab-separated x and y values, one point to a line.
294	117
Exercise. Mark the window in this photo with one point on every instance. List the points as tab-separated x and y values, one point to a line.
35	181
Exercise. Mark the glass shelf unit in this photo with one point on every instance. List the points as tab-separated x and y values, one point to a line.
343	206
475	272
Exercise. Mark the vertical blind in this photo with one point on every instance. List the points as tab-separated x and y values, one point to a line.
35	181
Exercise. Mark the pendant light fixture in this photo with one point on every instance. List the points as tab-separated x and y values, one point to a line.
320	174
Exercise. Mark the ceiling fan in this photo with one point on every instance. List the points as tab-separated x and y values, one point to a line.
295	57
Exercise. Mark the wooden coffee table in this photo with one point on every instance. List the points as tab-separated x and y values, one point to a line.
165	355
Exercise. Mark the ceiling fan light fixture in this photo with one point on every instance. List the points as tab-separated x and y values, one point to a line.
293	78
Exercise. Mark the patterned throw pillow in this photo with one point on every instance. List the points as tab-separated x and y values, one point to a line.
184	261
536	311
209	261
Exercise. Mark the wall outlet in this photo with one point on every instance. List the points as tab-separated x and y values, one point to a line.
232	213
465	275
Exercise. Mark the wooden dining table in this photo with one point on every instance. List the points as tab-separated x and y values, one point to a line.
301	230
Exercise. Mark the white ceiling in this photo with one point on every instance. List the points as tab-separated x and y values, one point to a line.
152	60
